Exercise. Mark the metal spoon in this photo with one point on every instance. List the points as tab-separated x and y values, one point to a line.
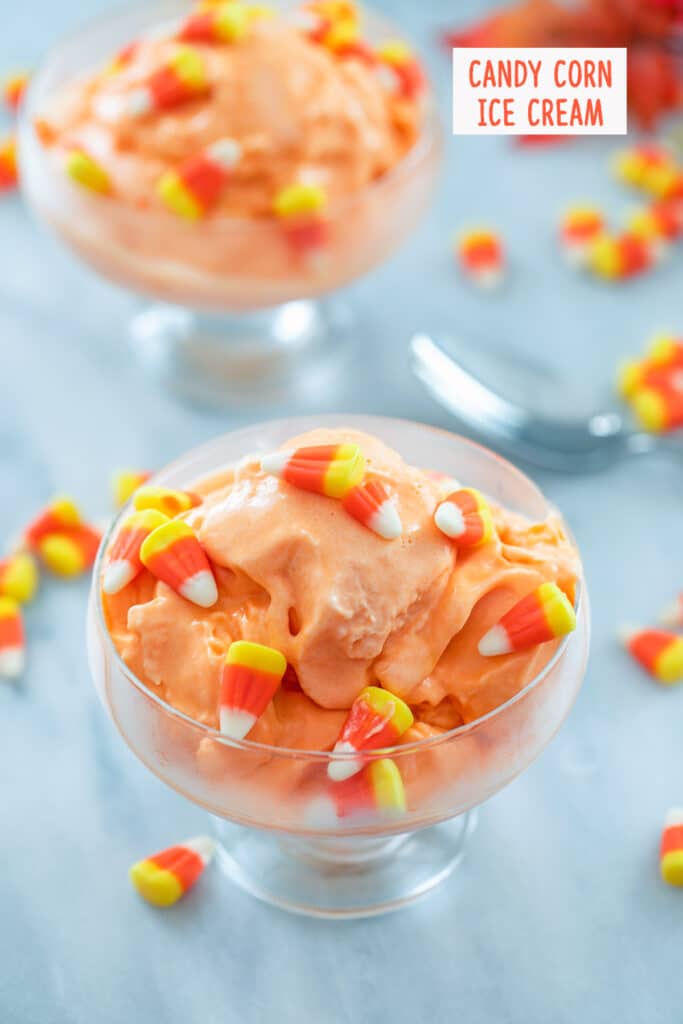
570	445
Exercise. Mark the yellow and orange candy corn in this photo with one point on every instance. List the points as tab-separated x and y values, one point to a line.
371	504
13	89
61	514
335	24
621	257
222	23
19	577
666	351
660	223
401	69
658	651
648	167
123	558
125	482
375	791
70	552
12	639
166	876
481	256
85	171
544	614
659	408
465	517
9	171
321	19
663	358
671	848
580	226
300	209
376	719
329	469
181	80
251	675
194	190
672	615
170	502
173	554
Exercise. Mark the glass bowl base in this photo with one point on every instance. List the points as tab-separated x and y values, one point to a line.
345	877
292	352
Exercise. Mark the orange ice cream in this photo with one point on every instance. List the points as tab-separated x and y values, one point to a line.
293	112
345	607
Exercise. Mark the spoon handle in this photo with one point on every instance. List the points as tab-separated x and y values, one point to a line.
642	443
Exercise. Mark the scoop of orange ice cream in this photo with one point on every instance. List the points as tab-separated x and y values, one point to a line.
292	168
297	111
344	606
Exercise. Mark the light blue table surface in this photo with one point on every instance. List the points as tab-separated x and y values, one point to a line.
557	915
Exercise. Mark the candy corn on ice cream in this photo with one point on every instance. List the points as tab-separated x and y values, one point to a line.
352	603
239	152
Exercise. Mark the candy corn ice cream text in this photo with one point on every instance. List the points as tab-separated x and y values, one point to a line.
243	117
328	596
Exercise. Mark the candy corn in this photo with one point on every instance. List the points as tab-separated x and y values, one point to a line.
172	553
580	226
251	675
12	640
224	23
671	848
645	167
543	615
123	558
481	257
660	409
401	69
617	258
125	482
70	552
13	89
372	506
376	790
665	351
194	189
9	172
320	19
663	358
86	172
300	208
376	719
659	652
330	469
61	514
171	503
181	80
299	200
166	876
465	517
661	222
18	577
672	615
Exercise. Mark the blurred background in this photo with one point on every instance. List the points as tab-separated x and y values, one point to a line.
558	913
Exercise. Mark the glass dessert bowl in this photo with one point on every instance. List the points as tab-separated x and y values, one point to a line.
288	834
237	263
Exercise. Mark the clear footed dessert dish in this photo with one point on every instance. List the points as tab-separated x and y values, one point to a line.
339	637
235	162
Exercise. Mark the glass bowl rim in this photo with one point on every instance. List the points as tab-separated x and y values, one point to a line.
427	143
326	756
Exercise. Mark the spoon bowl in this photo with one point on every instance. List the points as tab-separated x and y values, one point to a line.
523	427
